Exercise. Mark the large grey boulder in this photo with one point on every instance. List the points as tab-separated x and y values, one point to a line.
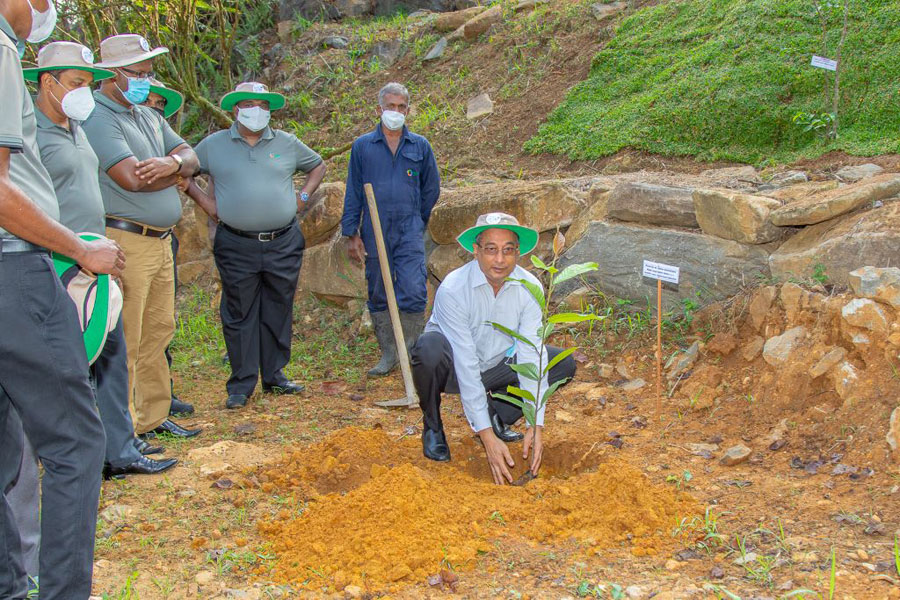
652	205
714	267
834	203
328	271
735	216
542	205
842	245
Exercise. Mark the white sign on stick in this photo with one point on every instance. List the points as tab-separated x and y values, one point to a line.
824	63
655	270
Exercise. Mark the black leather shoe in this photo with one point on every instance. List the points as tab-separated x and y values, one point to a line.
501	430
434	445
179	408
288	387
142	466
172	428
145	448
236	401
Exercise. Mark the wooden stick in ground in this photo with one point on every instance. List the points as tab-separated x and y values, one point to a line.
411	399
658	344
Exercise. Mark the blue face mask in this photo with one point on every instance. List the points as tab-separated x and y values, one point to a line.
138	90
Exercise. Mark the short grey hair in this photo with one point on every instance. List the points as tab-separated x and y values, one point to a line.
397	89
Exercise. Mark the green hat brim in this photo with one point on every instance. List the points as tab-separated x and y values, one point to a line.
274	99
34	73
174	99
95	334
528	238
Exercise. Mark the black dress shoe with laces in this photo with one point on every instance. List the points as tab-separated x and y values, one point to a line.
172	428
501	430
287	387
236	401
142	466
179	408
145	448
434	445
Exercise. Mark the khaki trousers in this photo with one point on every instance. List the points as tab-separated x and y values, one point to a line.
148	317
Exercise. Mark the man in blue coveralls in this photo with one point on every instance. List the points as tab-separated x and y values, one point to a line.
400	166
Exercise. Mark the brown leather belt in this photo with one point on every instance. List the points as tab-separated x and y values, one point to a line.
137	228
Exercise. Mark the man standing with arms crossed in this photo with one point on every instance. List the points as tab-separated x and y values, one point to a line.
141	160
400	166
43	365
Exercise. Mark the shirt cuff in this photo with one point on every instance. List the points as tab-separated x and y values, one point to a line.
480	421
12	143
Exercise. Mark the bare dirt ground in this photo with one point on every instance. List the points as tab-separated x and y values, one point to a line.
325	495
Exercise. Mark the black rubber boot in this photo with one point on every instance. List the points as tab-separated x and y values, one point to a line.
434	445
384	333
412	324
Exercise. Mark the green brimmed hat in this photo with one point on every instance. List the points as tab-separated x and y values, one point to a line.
528	238
97	298
174	99
57	56
252	90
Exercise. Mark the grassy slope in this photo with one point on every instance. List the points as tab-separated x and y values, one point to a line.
721	79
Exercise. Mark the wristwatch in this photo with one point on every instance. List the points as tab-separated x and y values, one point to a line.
178	160
304	197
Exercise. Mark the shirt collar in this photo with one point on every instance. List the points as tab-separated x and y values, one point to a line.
267	134
109	103
6	28
379	134
44	122
478	279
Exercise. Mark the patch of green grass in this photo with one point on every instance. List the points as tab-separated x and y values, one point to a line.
722	79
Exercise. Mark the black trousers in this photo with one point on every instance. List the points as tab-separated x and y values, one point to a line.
44	374
431	360
259	281
110	373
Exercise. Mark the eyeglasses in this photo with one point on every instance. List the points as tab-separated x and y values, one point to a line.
138	74
492	250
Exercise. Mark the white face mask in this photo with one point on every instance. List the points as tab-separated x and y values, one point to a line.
78	104
42	23
255	118
392	119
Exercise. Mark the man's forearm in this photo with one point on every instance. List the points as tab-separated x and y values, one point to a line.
160	184
314	178
21	217
190	163
203	199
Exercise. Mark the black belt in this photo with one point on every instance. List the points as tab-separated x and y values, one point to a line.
261	236
17	246
137	228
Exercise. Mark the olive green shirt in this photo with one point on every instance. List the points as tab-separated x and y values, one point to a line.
255	184
17	130
72	164
117	132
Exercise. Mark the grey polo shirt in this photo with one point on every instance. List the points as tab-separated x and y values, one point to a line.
72	164
254	184
17	130
117	132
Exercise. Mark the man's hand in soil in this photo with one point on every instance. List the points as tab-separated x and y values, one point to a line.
498	456
102	256
355	248
534	440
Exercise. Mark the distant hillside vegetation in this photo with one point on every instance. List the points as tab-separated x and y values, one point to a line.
722	79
